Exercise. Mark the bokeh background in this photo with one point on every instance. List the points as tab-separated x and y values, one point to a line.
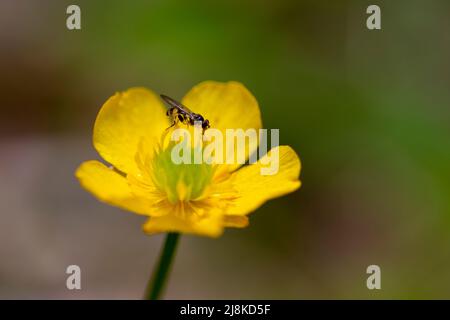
367	111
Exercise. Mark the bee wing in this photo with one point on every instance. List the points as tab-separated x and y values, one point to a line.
176	104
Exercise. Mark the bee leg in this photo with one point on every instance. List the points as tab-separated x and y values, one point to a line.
174	123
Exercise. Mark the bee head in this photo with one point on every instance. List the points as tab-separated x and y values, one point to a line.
205	124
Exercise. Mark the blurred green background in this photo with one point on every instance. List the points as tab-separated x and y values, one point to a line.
367	111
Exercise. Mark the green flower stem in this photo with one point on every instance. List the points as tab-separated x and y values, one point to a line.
156	284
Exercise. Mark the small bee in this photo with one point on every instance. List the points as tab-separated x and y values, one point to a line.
181	113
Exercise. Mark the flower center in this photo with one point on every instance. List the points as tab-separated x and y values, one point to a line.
180	182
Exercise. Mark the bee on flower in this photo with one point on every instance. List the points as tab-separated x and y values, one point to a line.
131	135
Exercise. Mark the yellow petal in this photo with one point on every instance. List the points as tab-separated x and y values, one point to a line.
123	121
254	189
211	226
236	221
227	105
109	186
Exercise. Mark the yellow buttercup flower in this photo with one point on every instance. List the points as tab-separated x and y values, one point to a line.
202	199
